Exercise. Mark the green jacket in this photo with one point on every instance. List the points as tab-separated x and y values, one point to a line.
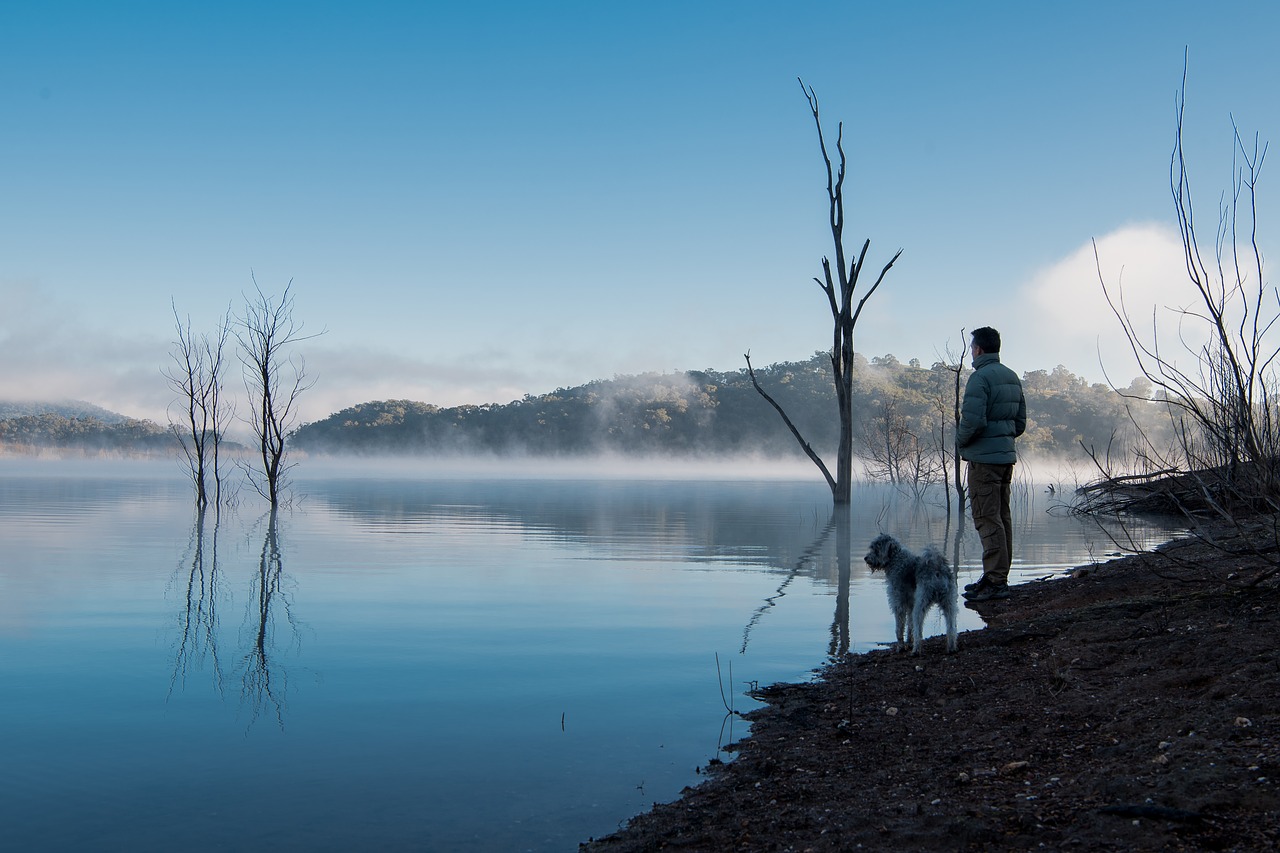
993	414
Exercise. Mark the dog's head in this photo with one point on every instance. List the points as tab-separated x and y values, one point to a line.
882	550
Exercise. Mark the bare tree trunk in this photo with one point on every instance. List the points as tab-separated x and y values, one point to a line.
945	457
957	468
221	412
839	288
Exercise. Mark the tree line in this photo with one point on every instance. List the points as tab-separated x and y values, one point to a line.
85	434
902	417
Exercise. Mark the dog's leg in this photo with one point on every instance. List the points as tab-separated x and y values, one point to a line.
900	617
949	610
917	621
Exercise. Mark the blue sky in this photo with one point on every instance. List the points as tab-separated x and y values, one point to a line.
479	201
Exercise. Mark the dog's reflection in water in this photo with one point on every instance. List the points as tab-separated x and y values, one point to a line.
915	582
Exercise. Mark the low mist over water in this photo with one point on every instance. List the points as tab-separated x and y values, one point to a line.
470	660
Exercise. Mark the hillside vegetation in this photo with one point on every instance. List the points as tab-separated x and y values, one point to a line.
902	408
902	412
10	409
84	434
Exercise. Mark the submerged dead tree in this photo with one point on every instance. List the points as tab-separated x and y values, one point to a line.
274	379
897	451
839	286
196	376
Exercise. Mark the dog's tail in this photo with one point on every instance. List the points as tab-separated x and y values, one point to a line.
934	561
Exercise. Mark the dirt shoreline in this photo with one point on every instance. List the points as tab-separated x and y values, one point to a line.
1132	705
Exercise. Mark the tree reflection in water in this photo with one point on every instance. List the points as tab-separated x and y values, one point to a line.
841	524
806	558
198	620
265	681
842	521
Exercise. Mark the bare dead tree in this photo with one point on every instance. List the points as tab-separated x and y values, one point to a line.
920	468
187	377
895	450
274	380
886	439
839	287
1222	393
941	446
954	362
1221	396
196	376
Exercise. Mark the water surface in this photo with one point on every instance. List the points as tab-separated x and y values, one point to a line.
412	662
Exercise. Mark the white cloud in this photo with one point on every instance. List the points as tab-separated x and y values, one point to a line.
1066	302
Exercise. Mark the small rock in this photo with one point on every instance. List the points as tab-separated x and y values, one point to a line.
893	712
963	777
1015	766
1243	722
1160	759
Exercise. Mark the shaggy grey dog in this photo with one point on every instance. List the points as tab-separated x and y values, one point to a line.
916	582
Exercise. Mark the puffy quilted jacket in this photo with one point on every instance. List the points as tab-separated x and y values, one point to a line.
993	413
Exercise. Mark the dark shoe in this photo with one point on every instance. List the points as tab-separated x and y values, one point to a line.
988	592
970	587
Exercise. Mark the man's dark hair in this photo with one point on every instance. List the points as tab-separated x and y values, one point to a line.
987	339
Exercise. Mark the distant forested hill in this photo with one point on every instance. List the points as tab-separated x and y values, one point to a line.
83	427
66	408
721	413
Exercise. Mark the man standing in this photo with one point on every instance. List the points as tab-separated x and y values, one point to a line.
993	414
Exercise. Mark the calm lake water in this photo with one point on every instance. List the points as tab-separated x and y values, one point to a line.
418	661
